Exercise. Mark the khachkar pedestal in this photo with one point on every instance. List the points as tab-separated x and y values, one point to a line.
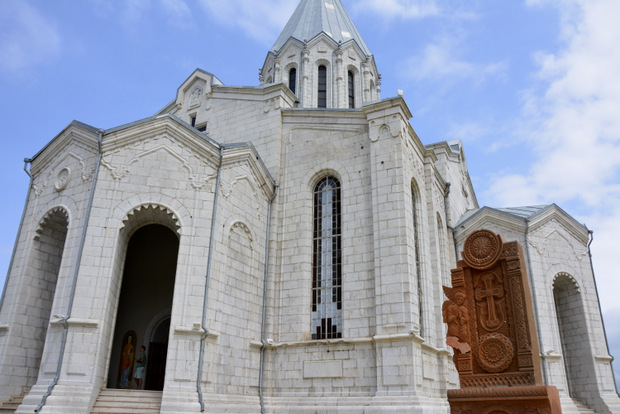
491	328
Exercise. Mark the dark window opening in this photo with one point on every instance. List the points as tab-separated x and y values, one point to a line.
322	89
351	78
292	79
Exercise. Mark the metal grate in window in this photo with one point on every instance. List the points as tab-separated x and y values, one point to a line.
322	87
418	269
351	81
327	261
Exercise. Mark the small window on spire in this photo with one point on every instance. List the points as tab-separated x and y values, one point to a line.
351	79
322	87
292	79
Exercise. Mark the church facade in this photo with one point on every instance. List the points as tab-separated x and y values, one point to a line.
278	248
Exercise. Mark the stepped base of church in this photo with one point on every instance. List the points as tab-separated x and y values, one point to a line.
357	404
178	403
509	400
70	397
127	401
77	399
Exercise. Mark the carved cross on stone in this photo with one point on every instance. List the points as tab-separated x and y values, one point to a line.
491	288
491	328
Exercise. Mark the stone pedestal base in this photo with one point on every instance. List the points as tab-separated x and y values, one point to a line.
505	400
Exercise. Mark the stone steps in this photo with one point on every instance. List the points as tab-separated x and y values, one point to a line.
9	407
127	401
583	409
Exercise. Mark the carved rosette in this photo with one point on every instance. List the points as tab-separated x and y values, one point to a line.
495	352
482	249
62	179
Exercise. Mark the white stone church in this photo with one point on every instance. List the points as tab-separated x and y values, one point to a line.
278	248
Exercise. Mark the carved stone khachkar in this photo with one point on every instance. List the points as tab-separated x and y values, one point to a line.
492	331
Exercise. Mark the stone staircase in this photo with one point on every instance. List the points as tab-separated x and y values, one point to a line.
583	409
9	407
127	401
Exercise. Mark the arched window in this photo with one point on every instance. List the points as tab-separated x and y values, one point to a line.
351	82
322	87
292	79
372	90
441	252
327	261
416	245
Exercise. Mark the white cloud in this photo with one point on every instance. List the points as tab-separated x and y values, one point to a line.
574	122
133	14
402	9
179	14
573	125
261	20
442	60
27	38
133	11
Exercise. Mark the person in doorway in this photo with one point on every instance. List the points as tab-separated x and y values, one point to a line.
126	361
140	362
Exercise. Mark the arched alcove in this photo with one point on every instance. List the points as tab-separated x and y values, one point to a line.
44	264
573	334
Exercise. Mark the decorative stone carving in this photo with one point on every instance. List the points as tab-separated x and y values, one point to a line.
62	179
482	249
491	329
194	99
272	104
455	314
496	352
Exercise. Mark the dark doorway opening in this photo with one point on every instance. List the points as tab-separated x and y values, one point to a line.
146	292
156	357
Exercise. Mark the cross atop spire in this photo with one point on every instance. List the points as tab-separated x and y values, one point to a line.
313	17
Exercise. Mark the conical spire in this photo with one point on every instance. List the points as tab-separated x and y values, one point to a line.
322	58
315	16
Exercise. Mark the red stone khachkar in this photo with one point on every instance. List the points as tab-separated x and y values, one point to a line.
491	328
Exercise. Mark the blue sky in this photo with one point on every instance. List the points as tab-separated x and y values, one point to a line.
531	88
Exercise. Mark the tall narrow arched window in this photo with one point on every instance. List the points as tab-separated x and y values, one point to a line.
441	251
372	90
322	87
351	82
292	79
327	261
418	268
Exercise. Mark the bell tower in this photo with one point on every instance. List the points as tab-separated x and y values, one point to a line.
322	58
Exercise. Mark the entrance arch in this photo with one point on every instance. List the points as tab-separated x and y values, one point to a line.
146	293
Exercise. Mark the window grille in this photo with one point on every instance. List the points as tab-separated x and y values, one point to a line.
327	261
322	87
351	79
418	269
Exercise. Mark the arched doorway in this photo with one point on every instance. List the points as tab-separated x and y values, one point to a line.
156	356
146	291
